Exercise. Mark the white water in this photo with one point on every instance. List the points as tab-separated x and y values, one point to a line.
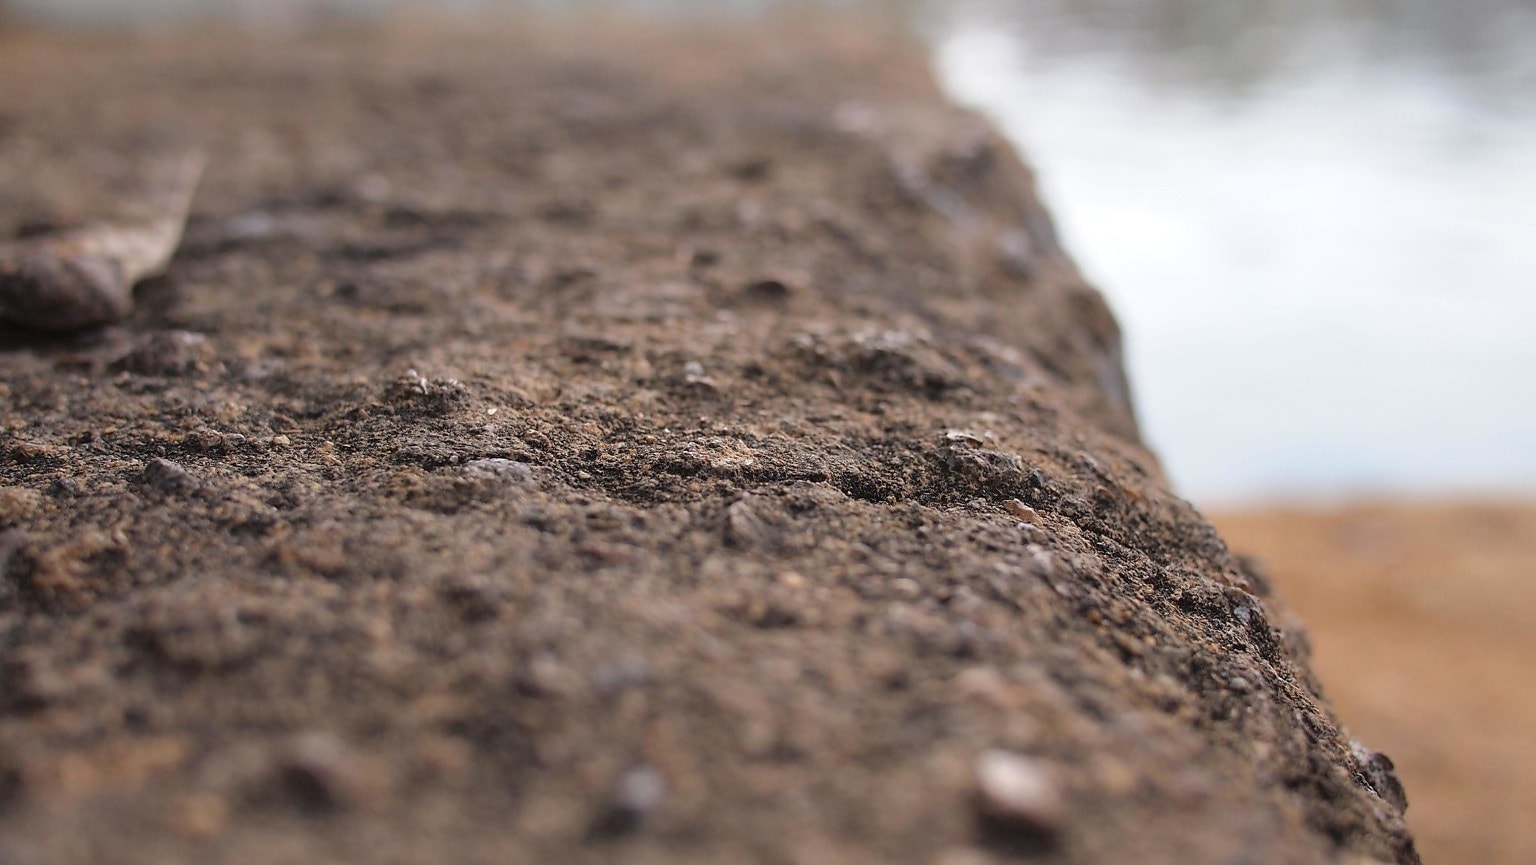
1328	286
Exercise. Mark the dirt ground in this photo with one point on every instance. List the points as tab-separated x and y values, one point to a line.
1424	621
593	446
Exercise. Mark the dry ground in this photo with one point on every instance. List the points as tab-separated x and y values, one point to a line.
1424	622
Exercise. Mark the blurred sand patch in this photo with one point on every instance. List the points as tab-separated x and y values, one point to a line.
1423	618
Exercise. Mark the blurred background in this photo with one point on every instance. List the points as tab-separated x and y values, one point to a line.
1316	220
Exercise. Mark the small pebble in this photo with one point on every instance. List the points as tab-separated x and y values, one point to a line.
1016	252
1018	793
167	476
1022	512
768	290
319	774
792	580
964	437
744	528
640	790
1041	562
499	470
1378	770
167	353
636	796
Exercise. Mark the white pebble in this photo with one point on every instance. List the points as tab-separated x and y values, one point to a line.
1019	791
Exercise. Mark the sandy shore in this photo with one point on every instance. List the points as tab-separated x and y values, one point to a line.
1423	618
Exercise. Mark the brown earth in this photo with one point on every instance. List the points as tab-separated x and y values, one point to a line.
1424	619
588	446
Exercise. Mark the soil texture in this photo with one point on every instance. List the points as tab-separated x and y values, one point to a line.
608	445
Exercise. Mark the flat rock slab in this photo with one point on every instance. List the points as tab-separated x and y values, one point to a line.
592	446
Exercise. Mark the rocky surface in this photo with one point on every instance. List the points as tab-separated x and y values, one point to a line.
593	446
